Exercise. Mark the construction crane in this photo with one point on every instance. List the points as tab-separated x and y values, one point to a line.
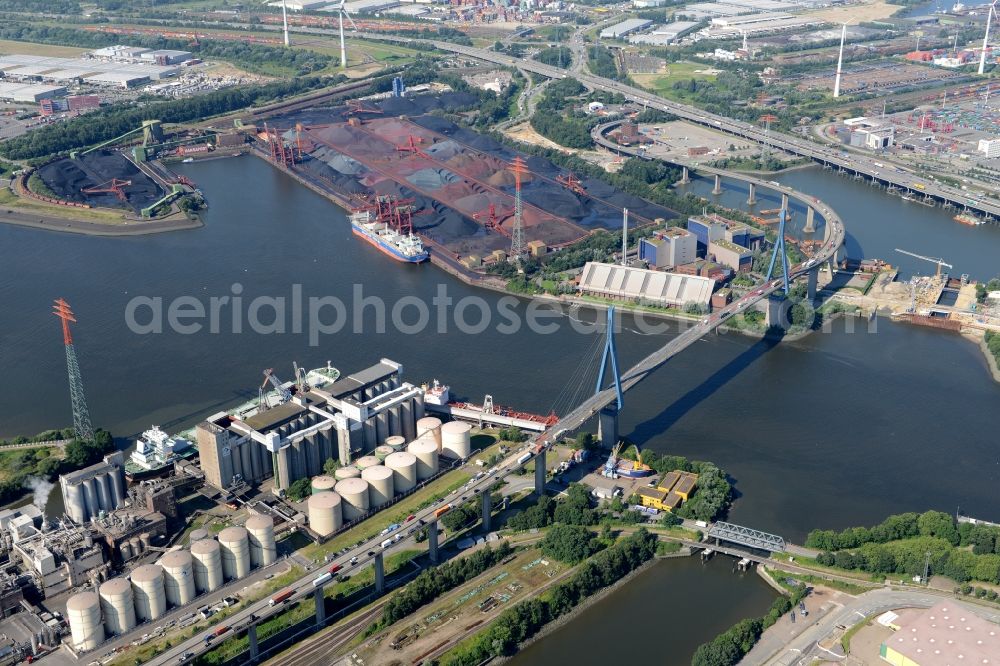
113	186
284	394
933	260
300	378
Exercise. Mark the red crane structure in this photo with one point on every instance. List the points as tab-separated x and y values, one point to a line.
113	186
357	106
411	146
280	153
571	182
492	219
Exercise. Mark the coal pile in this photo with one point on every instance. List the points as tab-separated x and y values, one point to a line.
67	178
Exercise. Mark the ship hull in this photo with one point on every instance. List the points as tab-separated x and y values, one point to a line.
388	249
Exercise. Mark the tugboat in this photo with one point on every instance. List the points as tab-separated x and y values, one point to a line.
968	218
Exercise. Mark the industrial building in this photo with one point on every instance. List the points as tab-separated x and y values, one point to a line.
989	147
166	56
730	254
99	488
294	439
125	72
645	286
31	93
61	559
670	491
707	228
625	28
942	635
664	34
669	248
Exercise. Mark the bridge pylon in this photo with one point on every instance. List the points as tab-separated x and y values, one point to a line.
779	249
607	423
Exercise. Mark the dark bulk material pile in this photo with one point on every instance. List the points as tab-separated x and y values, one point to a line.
67	178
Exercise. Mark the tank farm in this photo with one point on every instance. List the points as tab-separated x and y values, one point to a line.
458	184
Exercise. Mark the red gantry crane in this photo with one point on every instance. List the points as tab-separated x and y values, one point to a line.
113	186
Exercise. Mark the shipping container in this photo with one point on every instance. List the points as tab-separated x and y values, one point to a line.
325	578
443	510
386	543
281	597
523	458
335	568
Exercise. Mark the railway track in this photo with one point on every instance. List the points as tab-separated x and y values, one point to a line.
322	647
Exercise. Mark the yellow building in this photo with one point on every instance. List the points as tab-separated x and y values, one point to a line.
685	485
671	490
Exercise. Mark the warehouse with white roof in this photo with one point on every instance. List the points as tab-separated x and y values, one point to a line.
634	284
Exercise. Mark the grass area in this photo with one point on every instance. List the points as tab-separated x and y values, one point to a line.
8	46
845	641
38	186
842	586
397	513
864	580
663	84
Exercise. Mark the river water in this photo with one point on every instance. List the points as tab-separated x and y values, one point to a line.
834	430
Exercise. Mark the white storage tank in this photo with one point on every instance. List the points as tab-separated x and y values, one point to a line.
207	565
430	425
263	550
117	606
354	493
235	545
396	442
178	577
322	483
456	439
382	451
147	590
325	513
426	452
347	472
380	486
198	535
366	461
83	612
404	470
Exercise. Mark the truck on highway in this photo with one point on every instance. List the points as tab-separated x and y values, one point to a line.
523	458
281	597
443	510
385	544
334	569
325	578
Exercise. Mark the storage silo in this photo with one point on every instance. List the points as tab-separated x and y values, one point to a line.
456	439
235	545
382	451
76	503
430	425
198	535
117	606
380	486
322	483
404	470
83	611
178	577
347	472
125	550
207	565
366	461
426	452
325	513
396	442
354	493
263	550
148	593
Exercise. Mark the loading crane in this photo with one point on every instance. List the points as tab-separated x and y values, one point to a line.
152	132
933	260
113	186
284	394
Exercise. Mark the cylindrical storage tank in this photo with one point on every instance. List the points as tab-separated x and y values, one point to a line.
178	577
426	452
325	513
347	472
207	565
354	495
430	425
235	544
198	535
366	461
83	611
456	439
404	470
136	546
382	451
118	606
263	550
147	590
380	486
322	483
396	442
125	550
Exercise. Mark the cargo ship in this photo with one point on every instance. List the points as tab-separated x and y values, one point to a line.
401	247
968	218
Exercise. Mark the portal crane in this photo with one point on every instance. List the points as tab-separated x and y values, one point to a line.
113	186
933	260
284	394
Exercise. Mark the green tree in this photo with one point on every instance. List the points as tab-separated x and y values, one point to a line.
331	466
569	543
938	524
299	490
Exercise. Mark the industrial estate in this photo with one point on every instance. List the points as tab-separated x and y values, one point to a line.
618	158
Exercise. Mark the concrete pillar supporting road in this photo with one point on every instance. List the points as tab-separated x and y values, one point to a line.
432	541
379	573
784	203
774	315
718	185
487	510
320	606
831	264
810	227
540	473
752	199
685	176
811	284
607	426
252	637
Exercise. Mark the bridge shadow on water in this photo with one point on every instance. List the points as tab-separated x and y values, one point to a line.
661	422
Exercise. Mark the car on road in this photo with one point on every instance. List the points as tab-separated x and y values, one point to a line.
371	553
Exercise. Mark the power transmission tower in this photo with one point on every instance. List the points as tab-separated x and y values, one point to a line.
81	415
517	248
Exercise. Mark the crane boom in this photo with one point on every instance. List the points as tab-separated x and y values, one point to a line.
933	260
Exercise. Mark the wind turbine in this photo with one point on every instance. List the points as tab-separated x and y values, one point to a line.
840	61
284	20
342	12
986	37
